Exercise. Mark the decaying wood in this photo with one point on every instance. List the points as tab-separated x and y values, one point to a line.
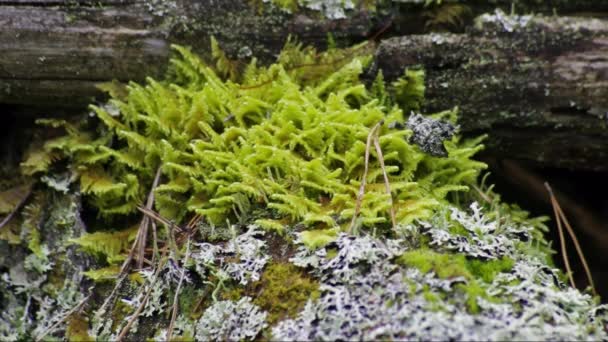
539	85
55	52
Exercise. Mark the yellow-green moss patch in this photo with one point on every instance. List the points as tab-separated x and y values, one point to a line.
283	291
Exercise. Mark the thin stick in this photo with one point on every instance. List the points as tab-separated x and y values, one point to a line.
64	318
10	216
141	307
387	184
125	265
364	177
142	234
562	240
179	287
579	250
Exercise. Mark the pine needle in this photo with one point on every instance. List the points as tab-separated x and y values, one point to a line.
562	217
387	184
179	287
562	240
64	318
142	234
364	177
125	265
142	305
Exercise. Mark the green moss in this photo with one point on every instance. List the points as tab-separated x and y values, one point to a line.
473	291
488	269
315	239
448	266
278	137
457	229
78	329
477	273
283	291
444	265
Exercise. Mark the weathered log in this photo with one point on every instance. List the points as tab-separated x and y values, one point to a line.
539	85
53	52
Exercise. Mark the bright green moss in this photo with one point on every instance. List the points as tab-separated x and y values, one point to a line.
473	291
315	239
455	265
283	291
477	273
444	265
488	269
281	138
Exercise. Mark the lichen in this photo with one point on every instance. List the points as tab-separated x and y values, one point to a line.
227	320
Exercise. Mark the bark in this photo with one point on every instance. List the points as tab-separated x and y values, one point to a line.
54	52
540	89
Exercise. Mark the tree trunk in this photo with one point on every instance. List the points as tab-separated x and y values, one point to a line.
538	86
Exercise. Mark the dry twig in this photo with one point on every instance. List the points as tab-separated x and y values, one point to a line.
387	184
125	265
562	240
359	201
142	305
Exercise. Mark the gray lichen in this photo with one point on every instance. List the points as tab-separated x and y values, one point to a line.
366	296
231	321
429	133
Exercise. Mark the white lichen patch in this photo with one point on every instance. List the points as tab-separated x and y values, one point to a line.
231	321
332	9
486	239
366	296
242	258
506	22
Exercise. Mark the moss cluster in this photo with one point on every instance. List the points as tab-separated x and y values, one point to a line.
283	291
448	266
273	138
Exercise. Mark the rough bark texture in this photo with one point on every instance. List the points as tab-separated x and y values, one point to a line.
540	89
54	53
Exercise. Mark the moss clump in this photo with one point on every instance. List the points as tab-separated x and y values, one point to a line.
488	269
444	265
447	266
273	138
283	291
77	329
